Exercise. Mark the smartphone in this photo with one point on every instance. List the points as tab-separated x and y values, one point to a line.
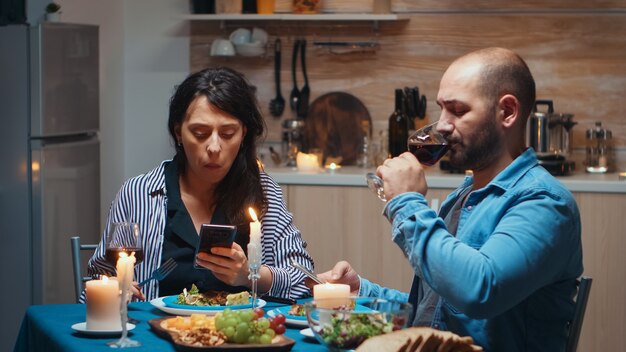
214	236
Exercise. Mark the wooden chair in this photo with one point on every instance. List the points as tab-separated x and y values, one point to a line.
79	279
584	286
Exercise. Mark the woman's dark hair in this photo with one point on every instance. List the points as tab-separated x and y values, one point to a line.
229	91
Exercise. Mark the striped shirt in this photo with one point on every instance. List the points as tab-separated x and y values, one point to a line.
143	199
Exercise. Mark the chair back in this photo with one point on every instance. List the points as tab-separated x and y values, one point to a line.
584	286
79	279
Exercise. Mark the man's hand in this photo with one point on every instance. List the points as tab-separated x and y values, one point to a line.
342	273
402	174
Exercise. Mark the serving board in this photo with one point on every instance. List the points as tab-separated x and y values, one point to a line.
280	342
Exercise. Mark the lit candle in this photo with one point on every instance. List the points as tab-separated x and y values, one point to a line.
125	265
307	162
331	295
254	247
103	304
332	167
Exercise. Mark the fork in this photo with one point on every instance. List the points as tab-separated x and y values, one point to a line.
161	272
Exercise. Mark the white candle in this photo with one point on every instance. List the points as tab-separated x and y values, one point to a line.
103	304
331	295
307	162
254	247
125	265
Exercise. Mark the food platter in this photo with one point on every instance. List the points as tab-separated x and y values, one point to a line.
280	342
161	305
293	320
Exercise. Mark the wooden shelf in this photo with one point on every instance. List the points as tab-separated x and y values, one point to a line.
295	17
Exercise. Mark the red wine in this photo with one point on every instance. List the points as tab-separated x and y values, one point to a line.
428	154
113	254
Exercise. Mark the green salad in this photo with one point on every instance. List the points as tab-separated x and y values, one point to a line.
349	331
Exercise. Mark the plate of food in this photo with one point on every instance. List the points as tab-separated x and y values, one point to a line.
295	315
210	302
198	332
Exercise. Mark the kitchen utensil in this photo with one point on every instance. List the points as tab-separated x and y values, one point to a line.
303	99
275	156
295	93
306	271
334	124
599	151
277	105
161	272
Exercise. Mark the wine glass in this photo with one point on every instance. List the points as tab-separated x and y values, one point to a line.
426	144
124	237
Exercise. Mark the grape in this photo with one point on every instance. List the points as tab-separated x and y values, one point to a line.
232	321
265	339
271	333
253	339
279	319
241	336
259	312
247	315
229	331
263	323
280	329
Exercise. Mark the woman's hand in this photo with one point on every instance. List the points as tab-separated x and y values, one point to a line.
342	273
137	291
229	265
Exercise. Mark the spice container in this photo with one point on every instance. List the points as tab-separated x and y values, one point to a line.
306	6
599	156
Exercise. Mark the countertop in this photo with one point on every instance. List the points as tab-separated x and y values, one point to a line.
355	177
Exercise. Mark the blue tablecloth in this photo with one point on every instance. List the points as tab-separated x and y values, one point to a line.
48	328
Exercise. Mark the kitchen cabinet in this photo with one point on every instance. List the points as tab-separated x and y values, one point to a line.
343	222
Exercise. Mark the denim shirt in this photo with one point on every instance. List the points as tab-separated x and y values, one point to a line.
508	278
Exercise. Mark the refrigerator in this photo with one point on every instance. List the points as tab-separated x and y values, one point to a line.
50	175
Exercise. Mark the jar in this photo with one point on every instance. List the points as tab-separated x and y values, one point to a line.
599	156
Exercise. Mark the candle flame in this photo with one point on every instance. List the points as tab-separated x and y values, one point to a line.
253	214
123	254
332	166
105	279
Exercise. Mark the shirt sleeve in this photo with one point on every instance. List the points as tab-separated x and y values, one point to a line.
527	250
370	289
281	243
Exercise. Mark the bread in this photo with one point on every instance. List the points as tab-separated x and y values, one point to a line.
419	339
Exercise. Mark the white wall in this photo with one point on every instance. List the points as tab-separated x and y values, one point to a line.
144	53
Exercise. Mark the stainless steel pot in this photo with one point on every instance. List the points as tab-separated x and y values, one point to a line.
550	133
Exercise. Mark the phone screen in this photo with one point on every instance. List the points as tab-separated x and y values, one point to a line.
214	236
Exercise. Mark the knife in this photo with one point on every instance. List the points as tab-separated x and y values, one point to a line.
306	272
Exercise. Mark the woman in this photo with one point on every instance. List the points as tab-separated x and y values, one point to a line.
215	122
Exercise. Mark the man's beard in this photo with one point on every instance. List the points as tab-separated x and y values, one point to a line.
484	146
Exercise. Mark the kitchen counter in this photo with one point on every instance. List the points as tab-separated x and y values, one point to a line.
355	177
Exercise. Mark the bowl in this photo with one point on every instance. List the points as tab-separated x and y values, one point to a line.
259	35
250	49
344	324
240	36
222	47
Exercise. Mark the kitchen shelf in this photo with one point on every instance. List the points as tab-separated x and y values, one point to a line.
297	17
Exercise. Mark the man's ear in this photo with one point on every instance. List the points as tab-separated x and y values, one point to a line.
508	110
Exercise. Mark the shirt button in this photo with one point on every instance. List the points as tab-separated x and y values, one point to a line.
436	326
469	207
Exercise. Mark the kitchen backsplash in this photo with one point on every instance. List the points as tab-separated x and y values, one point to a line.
576	55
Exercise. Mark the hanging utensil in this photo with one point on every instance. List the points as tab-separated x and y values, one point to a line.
277	105
295	93
303	99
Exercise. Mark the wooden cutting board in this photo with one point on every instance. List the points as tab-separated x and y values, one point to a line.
334	124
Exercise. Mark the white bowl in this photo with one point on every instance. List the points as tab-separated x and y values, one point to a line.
259	35
222	47
240	36
250	49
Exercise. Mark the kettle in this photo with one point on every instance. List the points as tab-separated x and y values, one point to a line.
550	133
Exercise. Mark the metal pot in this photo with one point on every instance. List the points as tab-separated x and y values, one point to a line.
550	133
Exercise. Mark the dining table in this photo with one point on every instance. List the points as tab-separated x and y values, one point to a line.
48	328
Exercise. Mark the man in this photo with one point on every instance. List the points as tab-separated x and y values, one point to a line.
501	260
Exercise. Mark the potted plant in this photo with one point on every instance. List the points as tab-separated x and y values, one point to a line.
53	12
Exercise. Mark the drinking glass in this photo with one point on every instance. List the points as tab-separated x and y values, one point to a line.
426	144
124	237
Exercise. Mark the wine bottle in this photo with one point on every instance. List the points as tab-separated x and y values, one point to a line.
398	127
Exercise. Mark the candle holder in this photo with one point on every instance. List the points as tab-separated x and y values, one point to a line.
254	264
124	341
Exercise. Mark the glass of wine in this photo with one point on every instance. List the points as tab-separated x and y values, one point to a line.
124	237
426	144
